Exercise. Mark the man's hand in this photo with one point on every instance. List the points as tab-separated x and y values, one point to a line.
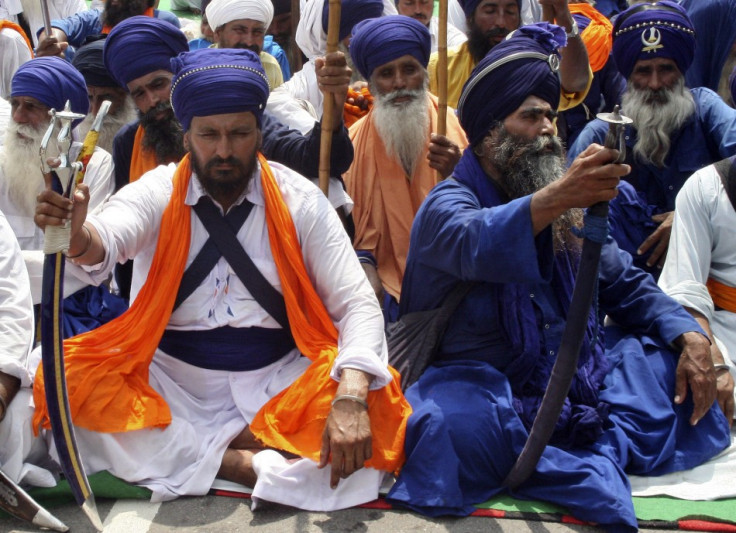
659	239
346	440
443	154
333	79
52	45
695	368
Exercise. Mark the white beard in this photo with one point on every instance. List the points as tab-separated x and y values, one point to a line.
403	127
656	117
111	125
20	165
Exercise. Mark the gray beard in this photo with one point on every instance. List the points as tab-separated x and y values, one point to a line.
657	115
404	127
524	167
20	165
111	125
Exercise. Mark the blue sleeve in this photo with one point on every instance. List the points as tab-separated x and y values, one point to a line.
79	26
593	132
633	300
168	17
301	152
718	121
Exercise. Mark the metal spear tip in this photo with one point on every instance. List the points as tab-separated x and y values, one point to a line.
90	509
615	117
45	519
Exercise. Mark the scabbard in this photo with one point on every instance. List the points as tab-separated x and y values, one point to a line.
16	502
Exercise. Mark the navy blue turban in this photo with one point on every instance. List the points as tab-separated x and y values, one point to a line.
88	60
523	65
141	45
648	31
378	41
470	5
214	81
52	81
352	12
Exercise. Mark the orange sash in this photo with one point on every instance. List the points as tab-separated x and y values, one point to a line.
147	13
597	37
352	113
107	368
13	26
142	159
722	295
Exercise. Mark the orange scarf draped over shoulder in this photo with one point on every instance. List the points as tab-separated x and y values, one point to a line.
142	160
597	36
107	368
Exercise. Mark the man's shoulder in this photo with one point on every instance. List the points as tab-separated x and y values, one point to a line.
167	16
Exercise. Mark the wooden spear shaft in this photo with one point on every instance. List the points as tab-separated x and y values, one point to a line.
442	73
328	108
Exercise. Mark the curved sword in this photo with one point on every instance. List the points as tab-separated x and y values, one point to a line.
56	243
16	502
566	363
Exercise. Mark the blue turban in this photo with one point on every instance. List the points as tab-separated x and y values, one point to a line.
88	60
378	41
214	81
141	45
469	6
648	31
352	12
500	83
52	81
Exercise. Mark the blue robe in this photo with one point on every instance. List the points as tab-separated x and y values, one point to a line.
709	135
472	406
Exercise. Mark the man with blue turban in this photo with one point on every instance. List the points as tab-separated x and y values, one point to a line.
38	86
245	281
675	132
397	154
504	224
489	22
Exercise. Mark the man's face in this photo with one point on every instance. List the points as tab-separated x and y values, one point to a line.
495	19
656	75
416	9
29	114
151	89
242	33
223	149
534	117
97	95
404	73
280	28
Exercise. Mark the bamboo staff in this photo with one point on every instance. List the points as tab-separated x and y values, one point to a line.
328	109
442	73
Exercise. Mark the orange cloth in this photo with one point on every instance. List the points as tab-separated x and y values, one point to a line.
386	200
352	113
107	368
147	13
13	26
597	37
142	160
723	296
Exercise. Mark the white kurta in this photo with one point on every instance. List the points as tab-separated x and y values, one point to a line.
13	53
703	245
210	407
99	177
58	9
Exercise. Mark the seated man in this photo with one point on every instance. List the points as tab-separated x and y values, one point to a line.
38	85
504	222
246	339
397	155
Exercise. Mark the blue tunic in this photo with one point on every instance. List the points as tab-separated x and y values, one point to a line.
709	135
470	420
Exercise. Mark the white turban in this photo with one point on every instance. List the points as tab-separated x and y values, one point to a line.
220	12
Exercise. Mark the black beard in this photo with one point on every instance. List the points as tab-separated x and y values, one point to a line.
113	15
480	42
163	136
223	185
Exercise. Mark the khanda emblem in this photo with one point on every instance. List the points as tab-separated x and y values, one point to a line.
651	39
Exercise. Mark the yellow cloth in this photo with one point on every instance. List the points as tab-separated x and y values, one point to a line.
597	36
107	368
723	296
460	65
386	200
270	66
141	160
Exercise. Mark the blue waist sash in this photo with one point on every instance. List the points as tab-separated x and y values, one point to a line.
228	348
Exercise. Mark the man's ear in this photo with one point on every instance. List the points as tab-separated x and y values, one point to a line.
186	141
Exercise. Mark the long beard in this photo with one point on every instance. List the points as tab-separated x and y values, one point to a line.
223	185
526	166
21	165
111	125
657	115
163	136
403	127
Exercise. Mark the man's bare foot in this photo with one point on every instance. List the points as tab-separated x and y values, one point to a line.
237	466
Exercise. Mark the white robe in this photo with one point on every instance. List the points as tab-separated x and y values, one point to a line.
13	53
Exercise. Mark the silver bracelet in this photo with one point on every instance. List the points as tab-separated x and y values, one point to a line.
720	366
351	397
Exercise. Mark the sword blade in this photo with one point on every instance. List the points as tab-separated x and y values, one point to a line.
16	502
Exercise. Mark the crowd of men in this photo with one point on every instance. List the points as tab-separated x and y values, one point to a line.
231	317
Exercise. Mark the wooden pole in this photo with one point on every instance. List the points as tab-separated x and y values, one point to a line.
442	73
328	108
